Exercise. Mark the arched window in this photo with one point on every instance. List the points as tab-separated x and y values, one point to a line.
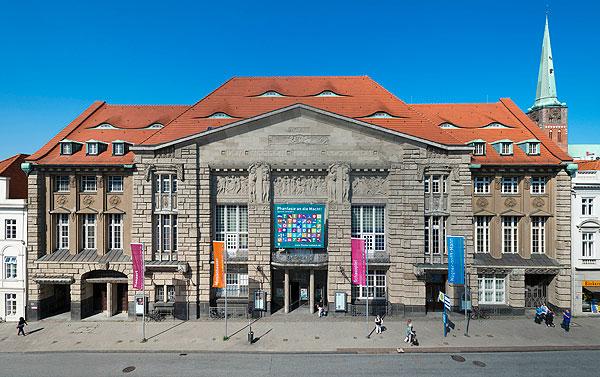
559	136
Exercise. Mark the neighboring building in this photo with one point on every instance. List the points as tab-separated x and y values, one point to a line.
13	238
585	152
585	231
547	111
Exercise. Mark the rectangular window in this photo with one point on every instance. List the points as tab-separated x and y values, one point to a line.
435	235
587	245
170	293
10	267
538	185
533	148
165	190
492	289
118	149
586	206
482	185
165	244
10	304
538	235
377	286
231	226
159	293
10	229
510	185
509	234
479	149
115	231
89	231
426	184
435	184
115	183
66	148
88	183
505	148
62	231
61	183
482	234
236	281
368	222
92	148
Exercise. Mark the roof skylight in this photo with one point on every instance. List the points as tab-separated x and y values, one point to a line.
495	125
105	126
327	93
220	115
271	93
381	115
448	125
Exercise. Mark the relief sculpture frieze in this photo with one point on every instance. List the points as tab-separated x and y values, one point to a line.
368	186
299	185
232	185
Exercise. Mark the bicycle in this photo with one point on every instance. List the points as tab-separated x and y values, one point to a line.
477	313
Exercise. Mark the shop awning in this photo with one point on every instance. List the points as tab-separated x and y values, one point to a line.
592	289
54	280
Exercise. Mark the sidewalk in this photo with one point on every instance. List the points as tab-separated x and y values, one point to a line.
310	334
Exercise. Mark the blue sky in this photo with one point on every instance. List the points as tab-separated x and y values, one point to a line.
58	57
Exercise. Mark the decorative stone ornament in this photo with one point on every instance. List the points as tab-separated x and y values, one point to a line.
538	202
61	200
338	183
88	200
114	200
510	202
482	202
259	183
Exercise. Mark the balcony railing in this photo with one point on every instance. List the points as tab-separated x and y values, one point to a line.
589	262
298	258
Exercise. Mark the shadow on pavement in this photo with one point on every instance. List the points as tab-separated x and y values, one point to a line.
166	330
34	331
260	337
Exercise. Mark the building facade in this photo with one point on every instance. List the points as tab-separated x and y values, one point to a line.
13	238
585	229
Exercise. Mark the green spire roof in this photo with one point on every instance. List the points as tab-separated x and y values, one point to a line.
545	94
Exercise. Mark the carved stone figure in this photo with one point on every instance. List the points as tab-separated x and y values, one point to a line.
345	184
114	200
538	202
482	202
299	186
252	184
259	178
338	183
510	202
332	183
266	183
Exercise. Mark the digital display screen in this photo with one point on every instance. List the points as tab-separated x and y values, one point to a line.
299	226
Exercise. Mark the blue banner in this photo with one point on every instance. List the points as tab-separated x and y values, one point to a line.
299	225
456	259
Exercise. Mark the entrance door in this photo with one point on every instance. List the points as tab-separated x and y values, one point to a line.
100	300
294	295
536	290
432	291
121	298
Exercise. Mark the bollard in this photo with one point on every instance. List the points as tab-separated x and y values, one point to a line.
250	337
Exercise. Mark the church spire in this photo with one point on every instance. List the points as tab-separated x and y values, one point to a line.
546	85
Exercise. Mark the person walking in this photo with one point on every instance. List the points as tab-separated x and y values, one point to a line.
566	322
378	323
21	325
409	332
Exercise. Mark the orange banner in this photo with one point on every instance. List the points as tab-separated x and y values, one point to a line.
219	270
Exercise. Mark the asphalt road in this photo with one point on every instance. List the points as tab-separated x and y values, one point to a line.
535	364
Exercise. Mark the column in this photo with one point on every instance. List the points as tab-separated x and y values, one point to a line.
286	292
311	292
109	299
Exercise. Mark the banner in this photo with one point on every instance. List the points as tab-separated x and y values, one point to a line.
219	268
456	259
359	268
299	226
137	259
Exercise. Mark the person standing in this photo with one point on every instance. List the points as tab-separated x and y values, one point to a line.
21	326
378	323
566	322
409	332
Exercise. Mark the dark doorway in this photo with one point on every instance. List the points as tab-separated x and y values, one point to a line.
61	299
536	290
99	297
294	295
432	291
122	303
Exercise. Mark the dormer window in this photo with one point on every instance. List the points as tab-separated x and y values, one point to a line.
106	126
448	125
533	149
220	115
506	148
495	125
327	93
155	126
380	115
271	93
66	148
92	149
479	149
118	149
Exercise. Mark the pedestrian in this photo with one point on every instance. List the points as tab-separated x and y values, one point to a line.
21	325
566	322
550	318
378	323
409	332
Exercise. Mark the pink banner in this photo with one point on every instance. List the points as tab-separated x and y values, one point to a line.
359	268
137	259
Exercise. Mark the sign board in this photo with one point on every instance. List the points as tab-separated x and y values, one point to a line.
340	301
303	293
591	283
456	259
299	226
137	261
445	299
139	304
260	300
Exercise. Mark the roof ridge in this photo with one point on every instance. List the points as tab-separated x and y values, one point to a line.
298	77
143	105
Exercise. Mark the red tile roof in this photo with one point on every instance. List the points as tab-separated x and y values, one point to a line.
11	167
470	118
357	97
583	165
130	120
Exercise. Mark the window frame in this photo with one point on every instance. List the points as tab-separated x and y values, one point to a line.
10	310
482	233
10	264
66	149
538	185
533	149
115	231
478	149
10	229
481	185
92	149
493	291
375	238
88	231
117	152
165	237
512	183
509	148
113	180
232	231
62	231
510	245
61	180
538	235
86	183
587	206
377	282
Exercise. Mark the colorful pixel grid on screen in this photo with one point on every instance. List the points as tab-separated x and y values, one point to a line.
299	225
